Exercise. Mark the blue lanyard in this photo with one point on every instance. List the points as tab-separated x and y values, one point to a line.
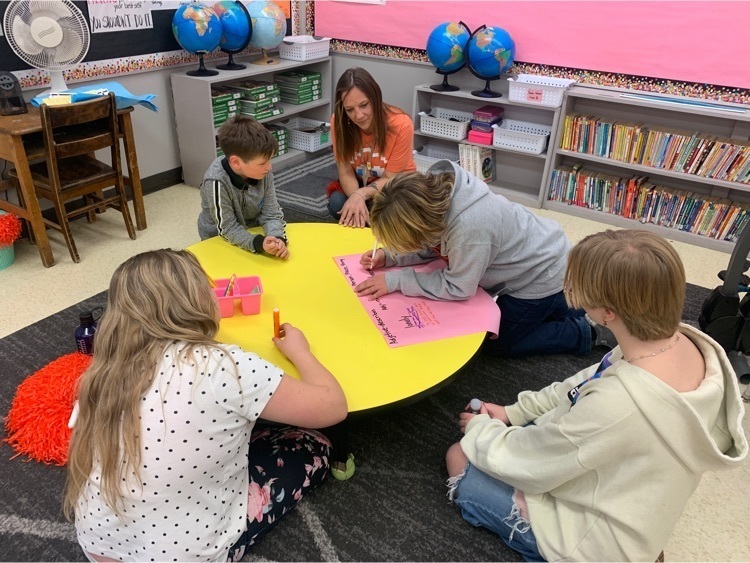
575	392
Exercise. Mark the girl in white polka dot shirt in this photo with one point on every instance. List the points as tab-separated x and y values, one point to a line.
166	462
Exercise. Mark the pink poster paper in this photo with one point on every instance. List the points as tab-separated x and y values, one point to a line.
406	320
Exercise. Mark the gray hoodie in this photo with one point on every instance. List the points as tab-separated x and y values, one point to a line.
228	210
491	243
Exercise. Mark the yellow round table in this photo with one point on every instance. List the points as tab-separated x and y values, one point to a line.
312	294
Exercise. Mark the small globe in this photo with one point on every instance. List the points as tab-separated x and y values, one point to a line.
490	52
446	47
197	28
269	24
235	25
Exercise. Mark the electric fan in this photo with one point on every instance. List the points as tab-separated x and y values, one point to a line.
51	35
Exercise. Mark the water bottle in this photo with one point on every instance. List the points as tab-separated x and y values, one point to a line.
84	332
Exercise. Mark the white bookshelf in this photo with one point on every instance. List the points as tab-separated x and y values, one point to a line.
196	134
519	176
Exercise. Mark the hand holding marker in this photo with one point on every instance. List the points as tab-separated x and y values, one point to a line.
475	405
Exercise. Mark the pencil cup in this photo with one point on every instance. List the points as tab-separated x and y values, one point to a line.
247	290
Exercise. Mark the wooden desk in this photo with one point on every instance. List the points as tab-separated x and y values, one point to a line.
312	294
21	142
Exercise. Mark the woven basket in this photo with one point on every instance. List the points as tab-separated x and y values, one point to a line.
7	256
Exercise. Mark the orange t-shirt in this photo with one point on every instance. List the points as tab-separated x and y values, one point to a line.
396	156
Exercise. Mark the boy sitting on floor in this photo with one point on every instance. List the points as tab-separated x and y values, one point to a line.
237	191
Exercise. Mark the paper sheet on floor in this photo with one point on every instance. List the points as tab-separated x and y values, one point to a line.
406	320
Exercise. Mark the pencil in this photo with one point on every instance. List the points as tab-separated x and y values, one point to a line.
230	285
276	324
374	250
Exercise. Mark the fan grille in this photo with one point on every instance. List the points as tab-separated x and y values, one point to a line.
75	33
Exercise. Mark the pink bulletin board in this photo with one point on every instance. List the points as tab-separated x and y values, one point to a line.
695	41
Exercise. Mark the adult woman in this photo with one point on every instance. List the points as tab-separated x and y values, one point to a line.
158	465
599	467
372	141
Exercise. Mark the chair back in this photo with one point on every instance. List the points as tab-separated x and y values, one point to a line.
81	128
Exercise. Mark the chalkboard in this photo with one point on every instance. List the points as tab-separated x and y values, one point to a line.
110	45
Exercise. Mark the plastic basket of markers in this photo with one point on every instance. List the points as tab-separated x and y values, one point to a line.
245	289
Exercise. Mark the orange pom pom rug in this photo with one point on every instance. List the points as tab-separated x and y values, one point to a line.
37	423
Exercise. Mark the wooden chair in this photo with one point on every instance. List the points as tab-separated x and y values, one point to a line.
72	132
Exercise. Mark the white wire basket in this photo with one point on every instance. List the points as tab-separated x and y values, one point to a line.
542	90
308	141
521	136
447	123
304	47
427	155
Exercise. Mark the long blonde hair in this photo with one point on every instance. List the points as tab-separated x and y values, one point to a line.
155	298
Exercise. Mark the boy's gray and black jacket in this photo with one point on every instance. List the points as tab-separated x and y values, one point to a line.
229	206
490	243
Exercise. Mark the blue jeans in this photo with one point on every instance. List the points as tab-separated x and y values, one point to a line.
336	203
488	502
539	326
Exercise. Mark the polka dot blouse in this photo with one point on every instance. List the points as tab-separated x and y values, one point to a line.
191	501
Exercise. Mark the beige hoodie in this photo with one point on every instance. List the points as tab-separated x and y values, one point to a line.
607	478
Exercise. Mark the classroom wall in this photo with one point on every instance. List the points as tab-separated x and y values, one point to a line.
693	41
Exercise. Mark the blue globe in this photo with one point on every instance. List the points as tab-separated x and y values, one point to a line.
235	25
490	53
197	28
269	24
446	47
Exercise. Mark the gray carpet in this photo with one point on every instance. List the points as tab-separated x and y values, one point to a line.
394	509
302	188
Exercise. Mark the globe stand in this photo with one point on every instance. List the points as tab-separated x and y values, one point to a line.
202	70
487	92
265	60
444	87
230	64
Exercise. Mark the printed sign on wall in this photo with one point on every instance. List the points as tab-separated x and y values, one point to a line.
119	15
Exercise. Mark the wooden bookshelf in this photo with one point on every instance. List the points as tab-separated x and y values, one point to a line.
669	119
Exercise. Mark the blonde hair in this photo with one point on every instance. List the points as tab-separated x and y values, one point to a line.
246	138
636	274
410	213
155	298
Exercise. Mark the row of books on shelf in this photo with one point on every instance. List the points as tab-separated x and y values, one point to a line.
480	161
659	147
637	198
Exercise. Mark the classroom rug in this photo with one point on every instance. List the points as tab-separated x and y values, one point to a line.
302	188
393	509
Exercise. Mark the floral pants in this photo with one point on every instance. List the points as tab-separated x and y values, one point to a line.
286	463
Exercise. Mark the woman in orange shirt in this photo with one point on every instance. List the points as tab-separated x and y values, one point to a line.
372	141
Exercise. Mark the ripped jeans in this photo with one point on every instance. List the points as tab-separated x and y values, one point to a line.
487	502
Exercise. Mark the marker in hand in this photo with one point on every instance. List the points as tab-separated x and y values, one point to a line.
475	405
372	258
276	324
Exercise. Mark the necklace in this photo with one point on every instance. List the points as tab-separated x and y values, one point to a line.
676	340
